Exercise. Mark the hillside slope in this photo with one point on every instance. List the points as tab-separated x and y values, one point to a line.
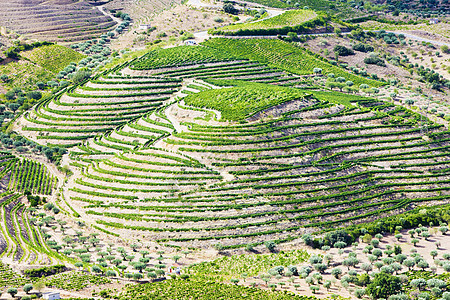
193	146
57	20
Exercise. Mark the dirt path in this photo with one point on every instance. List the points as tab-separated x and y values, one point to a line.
172	119
103	11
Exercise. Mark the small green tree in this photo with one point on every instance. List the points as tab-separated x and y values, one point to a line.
27	288
12	292
270	245
96	269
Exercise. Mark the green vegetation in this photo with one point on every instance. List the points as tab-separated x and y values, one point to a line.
225	268
53	58
75	280
45	271
339	9
148	161
201	290
9	278
290	18
181	55
26	74
238	103
282	55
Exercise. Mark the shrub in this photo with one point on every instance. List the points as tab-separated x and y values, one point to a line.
270	246
27	288
342	50
4	78
374	61
12	292
363	48
383	285
229	8
36	95
45	271
80	76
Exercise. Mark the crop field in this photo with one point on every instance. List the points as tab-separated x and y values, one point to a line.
52	57
273	54
63	22
288	18
339	9
20	239
96	107
282	55
183	55
184	172
240	145
238	103
361	158
181	289
9	277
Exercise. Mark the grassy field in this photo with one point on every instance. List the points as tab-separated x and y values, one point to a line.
53	58
288	18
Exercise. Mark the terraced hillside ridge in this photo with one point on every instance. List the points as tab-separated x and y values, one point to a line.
273	53
55	20
239	161
86	111
98	106
224	150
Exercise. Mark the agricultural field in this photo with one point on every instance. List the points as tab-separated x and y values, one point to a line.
21	239
289	18
284	56
296	166
62	21
239	103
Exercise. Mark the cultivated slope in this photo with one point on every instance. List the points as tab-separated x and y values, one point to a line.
231	155
57	20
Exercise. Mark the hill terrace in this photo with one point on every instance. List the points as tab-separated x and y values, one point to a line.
55	20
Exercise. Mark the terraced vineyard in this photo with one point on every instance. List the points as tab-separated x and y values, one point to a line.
289	18
20	240
63	20
290	21
96	107
204	149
